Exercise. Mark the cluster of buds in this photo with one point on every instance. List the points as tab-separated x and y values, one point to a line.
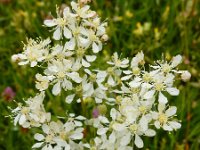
133	96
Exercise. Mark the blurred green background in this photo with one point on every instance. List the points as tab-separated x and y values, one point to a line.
158	27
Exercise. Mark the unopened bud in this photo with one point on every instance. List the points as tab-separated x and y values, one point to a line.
104	37
102	109
185	76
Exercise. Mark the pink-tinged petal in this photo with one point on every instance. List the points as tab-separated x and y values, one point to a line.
95	113
8	93
57	34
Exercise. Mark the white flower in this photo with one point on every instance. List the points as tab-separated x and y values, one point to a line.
34	51
117	62
62	74
42	82
163	118
33	114
82	12
62	24
138	59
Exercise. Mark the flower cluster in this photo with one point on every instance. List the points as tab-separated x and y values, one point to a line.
135	97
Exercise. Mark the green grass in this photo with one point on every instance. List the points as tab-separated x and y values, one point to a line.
179	33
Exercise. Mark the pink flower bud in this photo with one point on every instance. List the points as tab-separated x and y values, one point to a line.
95	113
8	93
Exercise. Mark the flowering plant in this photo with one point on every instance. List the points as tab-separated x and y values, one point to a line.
129	100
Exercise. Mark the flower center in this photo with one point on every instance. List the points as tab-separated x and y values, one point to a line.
159	86
133	128
166	68
61	22
136	70
162	118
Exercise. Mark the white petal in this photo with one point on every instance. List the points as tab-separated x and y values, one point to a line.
56	89
171	111
135	84
22	119
138	141
16	119
80	118
125	139
103	119
75	77
49	23
118	127
174	124
67	85
85	63
126	78
102	131
144	123
70	98
111	81
176	60
38	137
23	63
77	136
33	63
157	124
70	45
162	98
173	91
57	34
67	33
45	128
112	138
95	47
149	94
90	58
167	127
150	133
37	145
113	114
